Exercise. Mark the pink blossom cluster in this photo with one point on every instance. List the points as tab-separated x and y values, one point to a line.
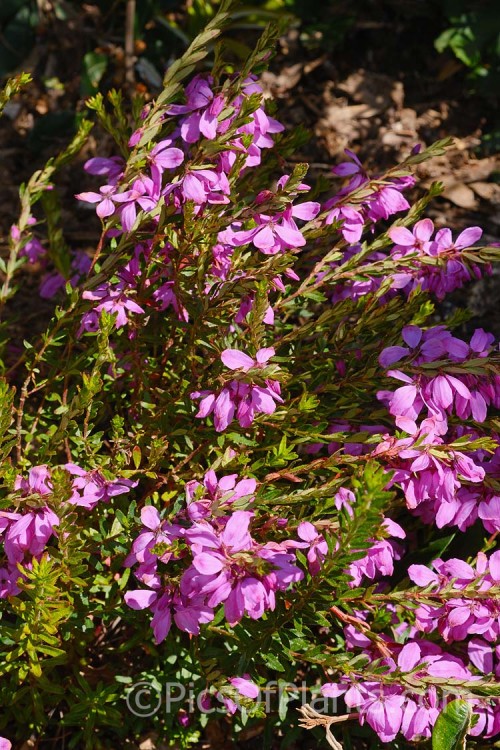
276	233
32	249
391	707
361	203
466	395
354	206
25	534
438	481
174	176
443	484
466	604
239	398
380	557
476	612
451	273
220	563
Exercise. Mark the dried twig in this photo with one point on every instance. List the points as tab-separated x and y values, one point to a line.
311	718
129	42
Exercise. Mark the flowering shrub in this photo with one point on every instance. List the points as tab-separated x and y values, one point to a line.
245	448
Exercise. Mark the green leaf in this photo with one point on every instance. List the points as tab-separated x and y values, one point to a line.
136	456
273	662
94	67
12	87
451	727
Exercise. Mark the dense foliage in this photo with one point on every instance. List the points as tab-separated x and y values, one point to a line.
243	458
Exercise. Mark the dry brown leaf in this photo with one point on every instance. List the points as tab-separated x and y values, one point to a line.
286	80
489	191
461	195
374	89
478	169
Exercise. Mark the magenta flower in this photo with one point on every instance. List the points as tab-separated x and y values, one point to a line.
228	566
387	201
417	240
162	157
111	167
214	494
29	534
458	617
156	532
450	273
245	686
279	233
344	498
379	558
199	96
143	193
318	548
393	708
31	247
93	487
443	242
38	481
349	168
105	199
239	398
165	296
352	222
237	360
200	186
115	301
384	712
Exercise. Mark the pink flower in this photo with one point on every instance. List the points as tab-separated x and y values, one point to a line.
105	199
349	168
384	712
240	398
162	157
245	686
344	498
352	222
229	566
417	240
379	558
237	360
216	494
143	193
95	486
115	300
275	234
200	186
29	534
462	615
318	548
112	167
